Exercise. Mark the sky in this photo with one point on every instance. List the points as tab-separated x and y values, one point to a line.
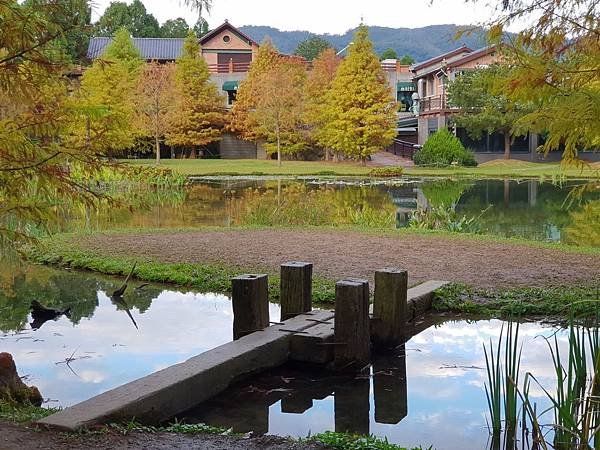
322	16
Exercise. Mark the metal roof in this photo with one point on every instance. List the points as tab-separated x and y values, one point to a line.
159	49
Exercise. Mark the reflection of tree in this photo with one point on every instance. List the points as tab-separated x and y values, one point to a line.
445	192
58	290
584	229
298	204
535	210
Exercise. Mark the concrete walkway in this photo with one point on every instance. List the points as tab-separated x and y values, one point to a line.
386	159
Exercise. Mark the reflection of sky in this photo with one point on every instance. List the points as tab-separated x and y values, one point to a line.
446	400
177	326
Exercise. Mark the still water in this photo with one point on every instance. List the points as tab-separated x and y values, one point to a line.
107	348
543	211
430	393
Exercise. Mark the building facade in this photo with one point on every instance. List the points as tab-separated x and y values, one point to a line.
227	51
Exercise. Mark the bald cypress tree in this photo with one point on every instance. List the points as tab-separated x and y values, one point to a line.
106	97
360	108
240	119
198	114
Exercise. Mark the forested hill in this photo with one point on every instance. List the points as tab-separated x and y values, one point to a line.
421	43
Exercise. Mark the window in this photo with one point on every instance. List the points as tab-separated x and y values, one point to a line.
226	39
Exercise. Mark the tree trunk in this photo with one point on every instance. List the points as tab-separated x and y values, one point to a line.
326	154
506	145
157	147
278	147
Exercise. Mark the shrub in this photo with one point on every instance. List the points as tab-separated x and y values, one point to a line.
386	172
443	148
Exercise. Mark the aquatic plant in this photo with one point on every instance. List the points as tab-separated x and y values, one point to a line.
502	379
576	401
386	172
443	218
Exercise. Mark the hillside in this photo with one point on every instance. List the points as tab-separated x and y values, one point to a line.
422	43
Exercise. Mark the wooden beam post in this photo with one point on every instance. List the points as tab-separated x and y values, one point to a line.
250	299
389	307
296	289
351	326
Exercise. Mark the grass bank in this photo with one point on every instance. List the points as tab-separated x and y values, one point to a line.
63	252
492	169
559	301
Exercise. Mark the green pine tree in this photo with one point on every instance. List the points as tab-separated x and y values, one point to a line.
360	105
198	115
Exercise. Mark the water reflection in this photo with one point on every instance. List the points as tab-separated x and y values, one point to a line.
430	394
530	209
102	347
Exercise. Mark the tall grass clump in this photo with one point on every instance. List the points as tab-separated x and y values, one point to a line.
575	403
502	379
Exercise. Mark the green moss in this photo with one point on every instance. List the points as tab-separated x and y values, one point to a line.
559	301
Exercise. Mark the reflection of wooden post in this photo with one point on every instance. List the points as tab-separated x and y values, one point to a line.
351	326
351	403
389	306
250	298
389	388
296	289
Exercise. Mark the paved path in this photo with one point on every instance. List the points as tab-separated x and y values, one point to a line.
384	159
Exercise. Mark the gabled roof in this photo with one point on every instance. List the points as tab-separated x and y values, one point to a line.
473	56
437	59
226	26
159	49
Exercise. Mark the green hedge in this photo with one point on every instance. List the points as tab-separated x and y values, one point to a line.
443	149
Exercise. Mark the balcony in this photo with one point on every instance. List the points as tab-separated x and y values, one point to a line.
231	67
432	103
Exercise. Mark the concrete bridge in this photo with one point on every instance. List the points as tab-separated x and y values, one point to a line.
340	341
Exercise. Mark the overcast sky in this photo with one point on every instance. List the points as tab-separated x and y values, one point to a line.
322	16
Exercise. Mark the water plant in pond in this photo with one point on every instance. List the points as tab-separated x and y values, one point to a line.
443	218
575	404
502	378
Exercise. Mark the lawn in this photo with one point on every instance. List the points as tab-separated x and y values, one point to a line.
492	169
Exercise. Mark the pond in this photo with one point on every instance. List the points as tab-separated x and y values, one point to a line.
531	209
110	343
432	393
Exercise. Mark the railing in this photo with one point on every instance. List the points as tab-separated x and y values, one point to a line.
432	103
402	148
395	67
230	67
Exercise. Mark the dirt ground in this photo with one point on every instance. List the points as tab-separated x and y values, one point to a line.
339	254
17	437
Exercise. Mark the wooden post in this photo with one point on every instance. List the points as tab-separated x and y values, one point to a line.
250	298
389	307
351	326
296	289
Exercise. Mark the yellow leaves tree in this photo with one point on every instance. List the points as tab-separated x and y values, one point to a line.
107	95
555	61
35	116
361	112
198	114
318	84
278	107
154	101
240	120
